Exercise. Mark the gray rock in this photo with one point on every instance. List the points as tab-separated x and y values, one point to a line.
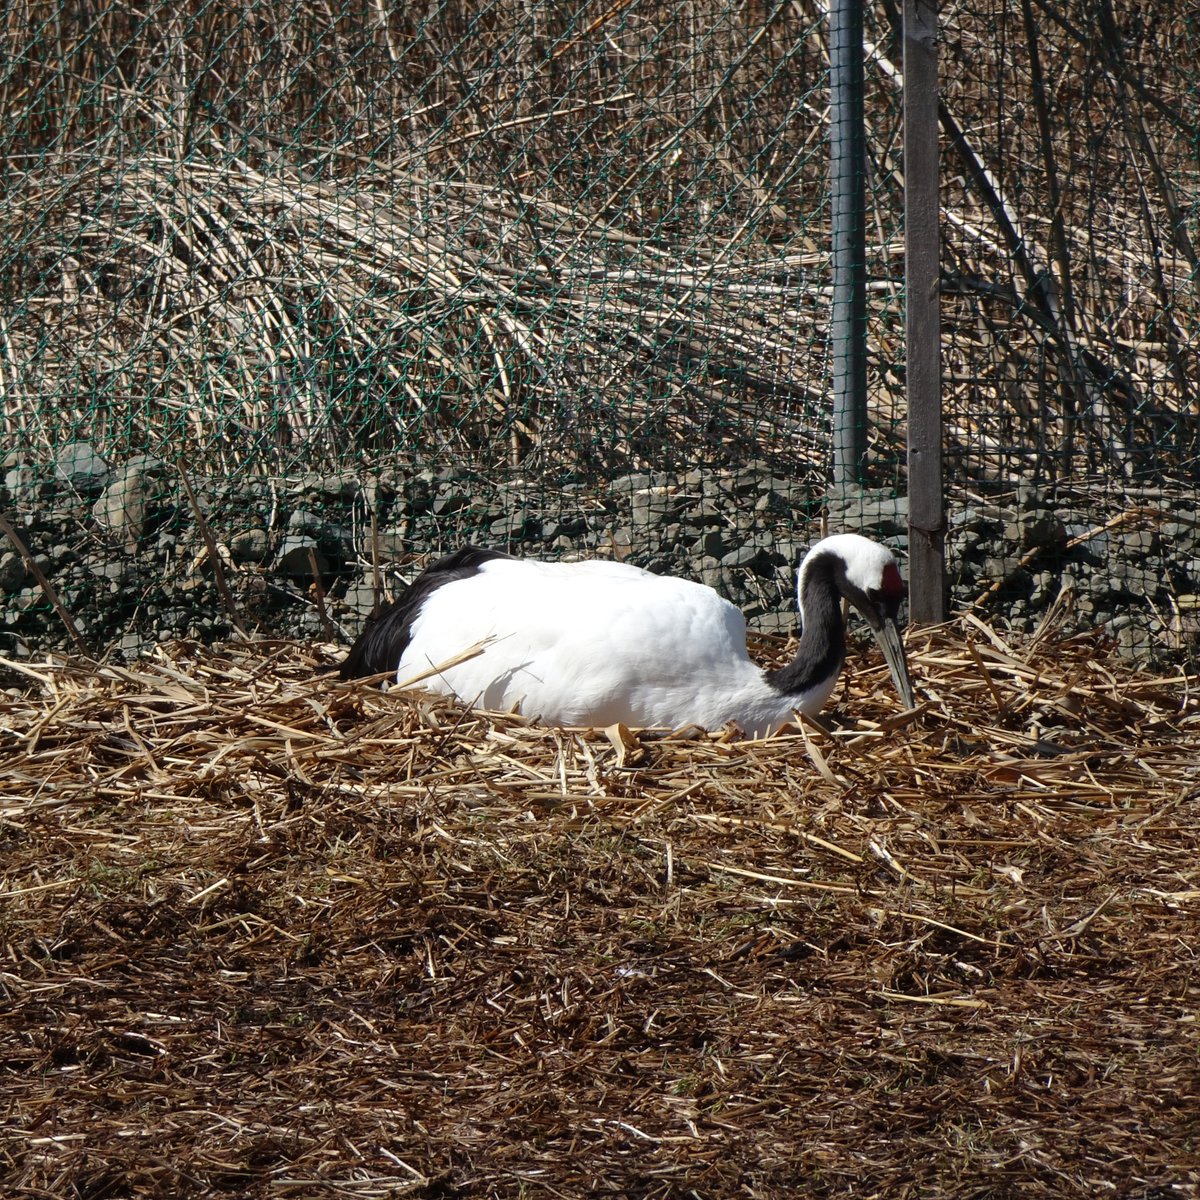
13	572
791	552
1136	643
986	518
710	510
1137	576
450	499
748	558
738	530
295	559
339	487
360	598
1137	543
618	542
79	465
25	484
124	506
147	463
1015	580
250	545
868	511
626	485
510	527
132	645
305	521
748	480
105	566
777	623
651	506
783	497
1040	529
698	514
658	564
1030	497
709	544
394	543
28	598
1046	585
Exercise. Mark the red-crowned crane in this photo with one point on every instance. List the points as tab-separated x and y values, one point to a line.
593	643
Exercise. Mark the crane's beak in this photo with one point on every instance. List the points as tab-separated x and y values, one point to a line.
887	634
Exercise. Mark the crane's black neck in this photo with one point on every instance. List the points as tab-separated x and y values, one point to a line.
822	646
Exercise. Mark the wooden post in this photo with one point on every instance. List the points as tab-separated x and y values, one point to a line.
922	324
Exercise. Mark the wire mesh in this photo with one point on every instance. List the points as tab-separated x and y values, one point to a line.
510	236
1070	272
534	244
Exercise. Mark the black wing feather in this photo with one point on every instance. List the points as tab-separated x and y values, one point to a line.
386	635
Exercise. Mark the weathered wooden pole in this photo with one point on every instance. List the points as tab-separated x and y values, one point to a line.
922	325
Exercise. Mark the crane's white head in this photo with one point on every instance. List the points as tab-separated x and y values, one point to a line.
868	576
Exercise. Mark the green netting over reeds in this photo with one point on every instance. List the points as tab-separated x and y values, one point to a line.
498	234
594	235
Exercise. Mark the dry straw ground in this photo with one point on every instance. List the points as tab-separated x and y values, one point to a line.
266	934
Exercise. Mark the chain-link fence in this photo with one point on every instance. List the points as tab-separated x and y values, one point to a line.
552	242
1072	180
508	234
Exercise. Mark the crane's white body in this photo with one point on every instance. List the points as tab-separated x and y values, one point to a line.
592	643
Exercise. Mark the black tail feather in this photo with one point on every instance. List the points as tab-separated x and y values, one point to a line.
386	635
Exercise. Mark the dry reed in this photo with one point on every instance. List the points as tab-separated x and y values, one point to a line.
582	238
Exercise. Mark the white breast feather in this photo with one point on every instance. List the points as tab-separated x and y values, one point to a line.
591	643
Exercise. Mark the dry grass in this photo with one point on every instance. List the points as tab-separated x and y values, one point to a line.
266	934
329	321
450	232
281	236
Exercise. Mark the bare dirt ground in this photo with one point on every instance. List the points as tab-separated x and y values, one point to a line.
265	934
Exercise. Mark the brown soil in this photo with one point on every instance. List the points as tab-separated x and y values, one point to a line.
265	934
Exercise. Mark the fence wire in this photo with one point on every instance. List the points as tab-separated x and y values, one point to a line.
508	235
517	238
1071	174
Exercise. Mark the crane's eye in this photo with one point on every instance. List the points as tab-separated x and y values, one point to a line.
886	600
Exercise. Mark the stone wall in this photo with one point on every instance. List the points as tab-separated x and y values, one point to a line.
127	549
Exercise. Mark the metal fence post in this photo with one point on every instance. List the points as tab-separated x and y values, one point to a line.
926	503
847	154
